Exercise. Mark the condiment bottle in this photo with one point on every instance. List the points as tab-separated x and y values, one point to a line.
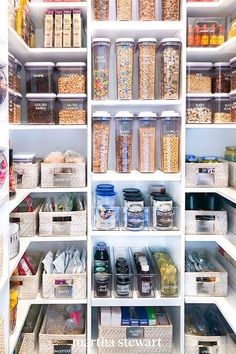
101	256
205	36
12	186
221	36
145	283
197	36
213	36
190	36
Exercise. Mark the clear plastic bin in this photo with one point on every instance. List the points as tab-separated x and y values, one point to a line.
147	141
233	73
101	10
41	108
124	68
233	106
221	108
199	109
100	63
221	78
123	10
102	277
14	73
199	77
106	218
147	10
39	77
170	10
146	68
72	109
14	107
71	77
136	218
101	137
169	53
123	277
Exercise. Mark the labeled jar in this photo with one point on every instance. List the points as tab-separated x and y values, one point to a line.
199	109
170	141
170	10
105	208
72	109
101	10
135	217
146	10
124	141
71	77
169	52
221	107
230	153
233	73
41	108
199	77
100	63
101	135
39	77
123	10
14	111
233	106
221	78
122	285
147	141
3	84
146	68
101	284
3	168
162	211
124	68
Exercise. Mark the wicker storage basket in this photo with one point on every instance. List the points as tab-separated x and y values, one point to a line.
70	223
207	174
2	337
53	175
231	213
207	283
231	344
28	221
194	344
160	336
30	284
201	222
231	270
232	173
28	174
30	339
64	286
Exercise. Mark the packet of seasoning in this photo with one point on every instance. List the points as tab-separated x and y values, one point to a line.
25	266
48	263
59	264
72	266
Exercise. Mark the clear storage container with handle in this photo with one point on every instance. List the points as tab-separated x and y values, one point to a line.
39	77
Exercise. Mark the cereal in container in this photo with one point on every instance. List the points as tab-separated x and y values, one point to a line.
124	10
146	10
71	77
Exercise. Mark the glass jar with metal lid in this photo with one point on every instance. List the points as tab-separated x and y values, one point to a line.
221	108
221	77
199	77
230	153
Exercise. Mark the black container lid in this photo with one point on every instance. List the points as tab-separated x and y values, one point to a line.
163	198
131	190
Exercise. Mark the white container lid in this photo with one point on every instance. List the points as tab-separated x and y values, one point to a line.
101	40
164	40
221	63
41	95
203	96
124	114
70	95
71	64
131	40
14	93
147	115
151	39
99	114
233	93
221	95
195	64
13	228
166	114
24	156
39	64
233	60
145	267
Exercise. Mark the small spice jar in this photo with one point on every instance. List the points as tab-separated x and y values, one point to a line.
230	153
100	62
146	68
233	73
124	68
14	111
123	10
233	106
169	52
199	109
170	10
147	10
3	84
72	109
124	141
101	10
101	284
221	78
39	77
101	134
71	77
147	141
221	108
199	77
41	108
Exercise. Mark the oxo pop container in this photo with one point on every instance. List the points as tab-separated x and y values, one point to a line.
146	10
221	108
221	78
72	108
41	108
199	77
199	108
39	77
123	10
71	77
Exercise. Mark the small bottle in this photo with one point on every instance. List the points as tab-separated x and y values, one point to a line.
213	36
205	36
145	282
190	36
197	36
101	256
221	36
12	186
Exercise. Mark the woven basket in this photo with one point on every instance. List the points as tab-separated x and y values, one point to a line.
30	284
29	172
2	337
231	345
232	173
75	226
52	175
194	343
231	270
75	287
28	221
218	226
231	213
217	176
195	285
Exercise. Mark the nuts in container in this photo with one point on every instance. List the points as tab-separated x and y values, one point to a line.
123	10
199	77
71	77
146	10
72	109
221	108
14	107
199	109
170	10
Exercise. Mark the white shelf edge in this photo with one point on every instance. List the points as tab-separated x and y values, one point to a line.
211	126
136	176
162	26
40	300
37	238
134	103
47	127
56	5
137	234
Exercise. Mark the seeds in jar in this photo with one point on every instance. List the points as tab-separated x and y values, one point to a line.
198	83
101	10
146	143
221	117
170	73
170	153
100	146
124	153
124	10
73	83
100	84
146	10
199	114
170	10
124	69
147	70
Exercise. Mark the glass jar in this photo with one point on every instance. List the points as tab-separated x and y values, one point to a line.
124	68
221	78
12	176
233	73
123	10
199	77
101	10
147	10
124	141
147	141
233	106
72	109
221	108
101	134
12	72
3	84
14	111
199	109
170	141
41	108
100	63
170	10
232	30
3	168
169	52
39	77
71	77
146	68
230	153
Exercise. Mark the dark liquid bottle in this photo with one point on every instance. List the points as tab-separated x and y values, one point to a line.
12	187
101	256
145	281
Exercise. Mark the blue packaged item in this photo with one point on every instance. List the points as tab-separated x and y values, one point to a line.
142	316
125	316
133	317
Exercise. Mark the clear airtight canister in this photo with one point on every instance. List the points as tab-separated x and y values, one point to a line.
146	10
146	68
147	141
124	10
100	61
124	68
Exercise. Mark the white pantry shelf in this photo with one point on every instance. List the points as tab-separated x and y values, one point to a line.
22	311
58	190
37	238
216	8
121	233
136	176
41	301
211	126
46	127
136	104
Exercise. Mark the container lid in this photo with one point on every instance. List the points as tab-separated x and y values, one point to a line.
40	64
145	268
232	61
72	96
124	114
131	190
230	147
106	186
166	114
101	40
131	40
203	96
71	64
162	197
41	95
134	198
11	92
232	93
210	157
147	115
191	159
101	114
164	40
151	39
13	228
221	95
195	64
222	63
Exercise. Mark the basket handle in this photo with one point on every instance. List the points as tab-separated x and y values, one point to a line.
206	279
207	346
